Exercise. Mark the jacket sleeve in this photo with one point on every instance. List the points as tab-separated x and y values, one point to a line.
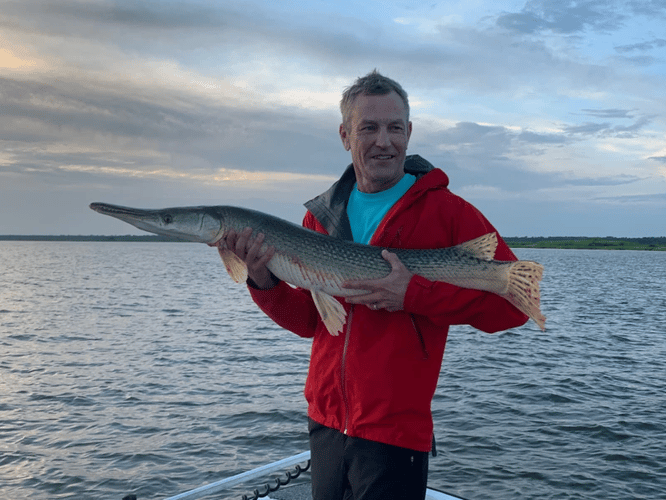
291	308
446	304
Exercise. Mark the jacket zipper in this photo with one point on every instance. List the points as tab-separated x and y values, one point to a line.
343	378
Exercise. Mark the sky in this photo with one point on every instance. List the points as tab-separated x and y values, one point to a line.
547	115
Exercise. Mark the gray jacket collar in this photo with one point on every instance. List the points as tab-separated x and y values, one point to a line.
330	207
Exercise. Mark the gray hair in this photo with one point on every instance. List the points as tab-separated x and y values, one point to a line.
371	84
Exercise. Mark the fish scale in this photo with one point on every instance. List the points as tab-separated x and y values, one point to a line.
321	263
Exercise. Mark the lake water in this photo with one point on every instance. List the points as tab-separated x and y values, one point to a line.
141	368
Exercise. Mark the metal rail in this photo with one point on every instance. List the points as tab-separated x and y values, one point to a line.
251	475
271	468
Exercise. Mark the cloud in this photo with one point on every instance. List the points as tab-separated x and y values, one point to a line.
642	46
571	17
536	138
258	38
605	128
608	113
255	40
556	189
468	133
9	60
662	170
149	97
565	17
117	18
615	180
635	127
646	200
220	176
189	133
144	15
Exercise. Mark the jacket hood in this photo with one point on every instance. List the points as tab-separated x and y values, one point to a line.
330	207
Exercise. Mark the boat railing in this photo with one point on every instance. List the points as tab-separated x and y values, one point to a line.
280	466
251	475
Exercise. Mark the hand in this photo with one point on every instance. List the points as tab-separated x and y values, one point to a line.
249	250
385	293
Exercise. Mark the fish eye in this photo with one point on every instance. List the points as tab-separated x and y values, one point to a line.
168	219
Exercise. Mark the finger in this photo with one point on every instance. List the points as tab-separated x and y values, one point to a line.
229	238
365	299
242	242
368	286
267	256
253	253
392	259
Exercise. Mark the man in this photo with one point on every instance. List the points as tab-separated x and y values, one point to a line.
369	390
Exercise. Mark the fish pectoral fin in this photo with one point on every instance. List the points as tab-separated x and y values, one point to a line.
482	247
235	266
331	311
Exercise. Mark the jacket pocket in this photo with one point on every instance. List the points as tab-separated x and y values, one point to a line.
420	338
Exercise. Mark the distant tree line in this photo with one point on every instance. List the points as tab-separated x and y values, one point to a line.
611	242
658	240
578	242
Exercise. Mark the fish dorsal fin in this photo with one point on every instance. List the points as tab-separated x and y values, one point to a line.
332	313
235	266
482	247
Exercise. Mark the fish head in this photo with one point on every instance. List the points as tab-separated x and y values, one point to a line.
200	224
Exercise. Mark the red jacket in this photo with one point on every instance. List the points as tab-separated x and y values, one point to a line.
377	380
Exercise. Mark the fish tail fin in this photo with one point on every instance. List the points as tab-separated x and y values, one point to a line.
523	289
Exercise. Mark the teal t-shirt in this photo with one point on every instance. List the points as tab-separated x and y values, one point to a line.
366	210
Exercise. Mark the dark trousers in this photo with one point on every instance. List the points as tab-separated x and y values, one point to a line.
346	468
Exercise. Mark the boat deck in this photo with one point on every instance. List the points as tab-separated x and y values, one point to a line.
303	492
297	492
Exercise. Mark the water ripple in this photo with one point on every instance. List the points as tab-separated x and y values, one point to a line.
141	368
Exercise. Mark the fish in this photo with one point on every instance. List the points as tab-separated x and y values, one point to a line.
321	263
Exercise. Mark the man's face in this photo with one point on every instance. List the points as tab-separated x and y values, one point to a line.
377	136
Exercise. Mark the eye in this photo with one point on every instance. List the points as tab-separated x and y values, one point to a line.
168	219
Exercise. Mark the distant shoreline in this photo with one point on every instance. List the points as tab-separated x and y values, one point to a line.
562	242
65	237
589	243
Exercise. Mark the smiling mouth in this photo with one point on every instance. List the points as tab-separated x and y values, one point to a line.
383	157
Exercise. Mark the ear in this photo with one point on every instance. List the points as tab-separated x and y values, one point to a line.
344	137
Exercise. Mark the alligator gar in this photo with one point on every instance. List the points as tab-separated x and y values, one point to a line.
321	263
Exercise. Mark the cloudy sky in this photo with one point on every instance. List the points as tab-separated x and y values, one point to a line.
548	115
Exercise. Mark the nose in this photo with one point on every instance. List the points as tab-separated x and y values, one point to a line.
383	140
